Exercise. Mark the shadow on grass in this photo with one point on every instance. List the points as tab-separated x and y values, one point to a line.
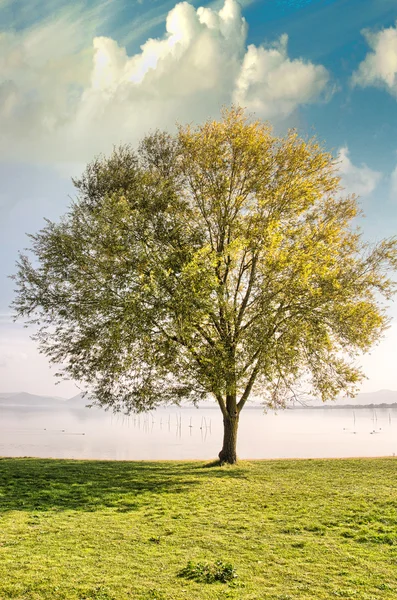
51	484
47	484
212	464
217	469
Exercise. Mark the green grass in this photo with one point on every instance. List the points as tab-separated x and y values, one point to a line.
91	530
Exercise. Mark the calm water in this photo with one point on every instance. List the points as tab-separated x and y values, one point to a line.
196	433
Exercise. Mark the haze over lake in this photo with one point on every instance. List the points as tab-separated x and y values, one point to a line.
189	433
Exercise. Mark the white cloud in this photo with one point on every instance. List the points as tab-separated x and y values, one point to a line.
356	180
273	85
379	68
42	71
64	99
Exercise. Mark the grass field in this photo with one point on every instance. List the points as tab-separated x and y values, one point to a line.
91	530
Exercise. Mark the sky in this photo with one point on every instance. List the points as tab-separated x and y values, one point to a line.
78	78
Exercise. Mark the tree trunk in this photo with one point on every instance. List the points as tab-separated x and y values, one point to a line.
228	453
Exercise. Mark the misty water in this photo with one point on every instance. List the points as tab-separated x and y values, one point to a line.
189	433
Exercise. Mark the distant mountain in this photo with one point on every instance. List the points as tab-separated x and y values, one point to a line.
363	399
381	397
77	402
25	399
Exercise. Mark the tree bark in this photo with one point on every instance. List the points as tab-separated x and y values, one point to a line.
228	453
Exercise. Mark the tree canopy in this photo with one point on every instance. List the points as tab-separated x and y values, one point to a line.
222	260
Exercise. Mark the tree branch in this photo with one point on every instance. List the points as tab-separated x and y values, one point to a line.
247	294
249	385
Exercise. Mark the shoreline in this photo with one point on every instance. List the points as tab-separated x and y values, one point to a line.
210	462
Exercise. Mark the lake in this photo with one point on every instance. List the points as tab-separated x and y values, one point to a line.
189	433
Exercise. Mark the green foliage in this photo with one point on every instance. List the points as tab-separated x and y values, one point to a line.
209	573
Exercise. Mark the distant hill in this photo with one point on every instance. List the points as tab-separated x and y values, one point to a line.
25	399
77	402
381	397
32	400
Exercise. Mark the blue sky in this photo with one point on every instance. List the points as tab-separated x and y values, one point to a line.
76	78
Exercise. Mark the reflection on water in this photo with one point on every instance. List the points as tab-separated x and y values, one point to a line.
188	433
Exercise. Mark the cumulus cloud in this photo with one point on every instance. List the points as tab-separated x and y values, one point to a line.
272	84
356	180
62	100
42	72
379	68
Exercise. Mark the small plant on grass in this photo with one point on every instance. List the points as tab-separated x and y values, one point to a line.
155	539
209	573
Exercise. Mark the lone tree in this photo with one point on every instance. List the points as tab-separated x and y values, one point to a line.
220	261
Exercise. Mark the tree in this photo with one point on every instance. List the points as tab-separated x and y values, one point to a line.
218	261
